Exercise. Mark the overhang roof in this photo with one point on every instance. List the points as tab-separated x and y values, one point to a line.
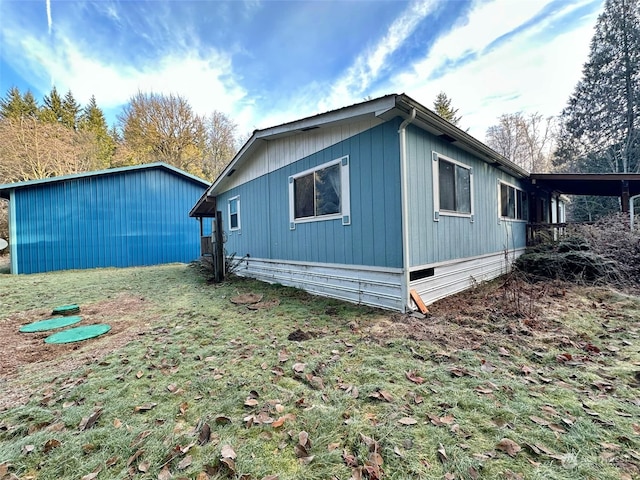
7	187
598	184
384	108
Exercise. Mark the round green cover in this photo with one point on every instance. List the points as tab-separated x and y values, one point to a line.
78	333
66	309
50	324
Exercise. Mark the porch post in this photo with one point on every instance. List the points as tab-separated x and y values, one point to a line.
624	197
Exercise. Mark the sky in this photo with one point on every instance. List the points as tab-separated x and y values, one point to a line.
266	62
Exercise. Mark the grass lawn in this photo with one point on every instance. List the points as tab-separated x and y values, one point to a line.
504	382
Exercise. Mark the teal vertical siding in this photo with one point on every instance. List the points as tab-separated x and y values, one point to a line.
455	237
116	220
374	237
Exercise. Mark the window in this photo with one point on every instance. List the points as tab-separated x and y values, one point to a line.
321	193
453	187
234	213
513	203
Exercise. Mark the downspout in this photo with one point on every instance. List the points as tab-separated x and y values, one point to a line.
405	207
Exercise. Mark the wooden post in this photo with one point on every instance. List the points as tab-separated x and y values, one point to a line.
218	249
624	196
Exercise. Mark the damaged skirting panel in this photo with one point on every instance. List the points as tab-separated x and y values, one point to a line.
456	276
376	287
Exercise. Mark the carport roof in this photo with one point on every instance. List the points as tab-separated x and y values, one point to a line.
598	184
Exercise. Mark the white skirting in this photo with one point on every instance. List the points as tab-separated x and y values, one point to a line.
377	287
458	275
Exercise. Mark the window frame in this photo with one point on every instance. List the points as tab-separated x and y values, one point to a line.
517	208
437	211
345	205
237	200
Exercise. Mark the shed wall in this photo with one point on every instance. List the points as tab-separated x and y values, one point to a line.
374	237
125	219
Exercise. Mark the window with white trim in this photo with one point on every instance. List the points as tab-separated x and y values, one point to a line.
514	203
320	193
452	187
234	213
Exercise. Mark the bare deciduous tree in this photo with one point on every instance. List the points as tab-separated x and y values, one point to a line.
31	149
527	141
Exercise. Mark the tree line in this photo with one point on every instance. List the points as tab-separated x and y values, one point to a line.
59	136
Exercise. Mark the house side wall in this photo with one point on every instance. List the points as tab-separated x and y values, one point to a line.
120	220
374	236
452	238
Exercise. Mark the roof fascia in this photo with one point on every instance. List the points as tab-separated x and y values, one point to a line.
108	171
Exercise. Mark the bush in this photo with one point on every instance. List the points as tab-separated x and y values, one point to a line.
606	252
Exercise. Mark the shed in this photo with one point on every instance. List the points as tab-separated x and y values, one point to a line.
120	217
374	202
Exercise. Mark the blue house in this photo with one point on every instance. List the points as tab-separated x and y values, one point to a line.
371	202
119	217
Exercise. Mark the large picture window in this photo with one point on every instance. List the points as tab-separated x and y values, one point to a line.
453	187
321	193
513	203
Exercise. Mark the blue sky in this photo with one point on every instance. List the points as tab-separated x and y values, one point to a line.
267	62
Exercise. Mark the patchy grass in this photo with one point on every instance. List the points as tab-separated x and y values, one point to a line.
507	381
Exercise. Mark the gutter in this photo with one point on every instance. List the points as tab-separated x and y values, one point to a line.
402	132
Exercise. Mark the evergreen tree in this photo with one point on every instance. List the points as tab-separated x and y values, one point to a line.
92	120
601	123
442	106
70	111
15	105
51	111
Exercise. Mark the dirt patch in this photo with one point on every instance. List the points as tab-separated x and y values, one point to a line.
22	353
524	316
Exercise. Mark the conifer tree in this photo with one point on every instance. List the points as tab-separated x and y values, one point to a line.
601	123
442	106
70	111
16	105
92	120
51	111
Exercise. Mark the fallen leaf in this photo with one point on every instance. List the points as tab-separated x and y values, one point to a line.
90	421
139	374
636	428
298	367
283	356
143	467
117	423
503	352
185	462
144	408
88	476
51	444
487	367
227	452
508	446
407	421
111	461
333	446
164	474
538	420
413	377
442	454
381	395
134	457
28	449
222	420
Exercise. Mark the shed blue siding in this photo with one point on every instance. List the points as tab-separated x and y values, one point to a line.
453	238
133	218
374	237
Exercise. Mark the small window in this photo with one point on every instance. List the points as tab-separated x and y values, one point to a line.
234	213
513	202
453	184
321	193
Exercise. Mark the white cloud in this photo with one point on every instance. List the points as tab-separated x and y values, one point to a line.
522	74
367	66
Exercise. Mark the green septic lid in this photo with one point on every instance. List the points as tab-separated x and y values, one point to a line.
66	309
78	333
50	324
